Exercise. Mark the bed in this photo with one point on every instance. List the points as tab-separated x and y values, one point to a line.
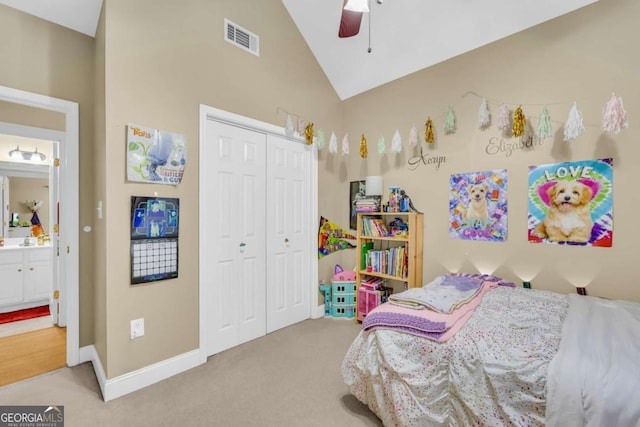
523	357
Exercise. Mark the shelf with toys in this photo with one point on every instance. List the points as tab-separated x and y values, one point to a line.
390	248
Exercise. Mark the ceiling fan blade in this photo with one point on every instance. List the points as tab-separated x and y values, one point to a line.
349	22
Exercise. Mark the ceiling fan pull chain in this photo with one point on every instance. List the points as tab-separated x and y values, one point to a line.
369	49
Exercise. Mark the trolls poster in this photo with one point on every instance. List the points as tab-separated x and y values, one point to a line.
155	156
478	206
572	203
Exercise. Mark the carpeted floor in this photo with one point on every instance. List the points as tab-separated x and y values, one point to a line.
289	378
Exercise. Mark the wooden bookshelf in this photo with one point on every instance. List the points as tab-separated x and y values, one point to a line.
411	241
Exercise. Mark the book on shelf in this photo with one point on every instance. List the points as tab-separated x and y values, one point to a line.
374	227
366	247
392	261
367	205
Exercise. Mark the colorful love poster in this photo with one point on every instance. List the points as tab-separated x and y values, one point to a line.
478	206
572	203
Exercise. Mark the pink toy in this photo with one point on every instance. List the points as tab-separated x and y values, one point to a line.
343	276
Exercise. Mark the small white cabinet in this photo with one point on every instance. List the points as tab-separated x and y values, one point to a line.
27	277
38	280
11	272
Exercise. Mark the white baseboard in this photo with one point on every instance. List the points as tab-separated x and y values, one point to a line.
319	312
124	384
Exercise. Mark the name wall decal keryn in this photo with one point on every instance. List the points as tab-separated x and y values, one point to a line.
426	159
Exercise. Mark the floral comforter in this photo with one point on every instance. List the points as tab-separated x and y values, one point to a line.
491	373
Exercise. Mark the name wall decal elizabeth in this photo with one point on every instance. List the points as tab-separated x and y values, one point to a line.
498	145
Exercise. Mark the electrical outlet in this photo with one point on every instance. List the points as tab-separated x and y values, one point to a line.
137	328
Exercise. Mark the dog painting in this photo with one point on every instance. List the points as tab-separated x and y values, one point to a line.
571	203
478	206
569	214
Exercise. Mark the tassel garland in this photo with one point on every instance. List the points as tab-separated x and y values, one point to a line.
518	122
614	117
484	116
363	147
382	148
308	133
413	137
574	126
396	142
321	142
544	125
450	122
288	126
333	143
301	127
503	118
345	145
429	136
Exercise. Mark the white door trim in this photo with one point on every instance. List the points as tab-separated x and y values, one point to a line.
211	113
69	206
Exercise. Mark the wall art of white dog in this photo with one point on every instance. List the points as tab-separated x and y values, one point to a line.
477	207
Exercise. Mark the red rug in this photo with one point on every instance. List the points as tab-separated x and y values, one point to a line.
27	313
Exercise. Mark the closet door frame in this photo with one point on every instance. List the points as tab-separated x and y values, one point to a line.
211	113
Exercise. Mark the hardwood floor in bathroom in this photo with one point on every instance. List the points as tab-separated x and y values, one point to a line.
28	354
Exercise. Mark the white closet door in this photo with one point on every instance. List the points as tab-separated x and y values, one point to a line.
232	253
288	234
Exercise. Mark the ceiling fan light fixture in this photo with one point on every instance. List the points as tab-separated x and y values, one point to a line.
357	6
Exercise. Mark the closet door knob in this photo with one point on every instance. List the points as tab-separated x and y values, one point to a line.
242	246
286	241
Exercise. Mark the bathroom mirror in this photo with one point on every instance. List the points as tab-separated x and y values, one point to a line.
23	180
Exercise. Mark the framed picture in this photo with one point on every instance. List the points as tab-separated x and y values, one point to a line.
356	192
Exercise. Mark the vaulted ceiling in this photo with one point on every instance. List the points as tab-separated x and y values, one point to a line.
404	35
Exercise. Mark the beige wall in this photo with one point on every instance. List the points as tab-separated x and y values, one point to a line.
583	56
44	58
162	60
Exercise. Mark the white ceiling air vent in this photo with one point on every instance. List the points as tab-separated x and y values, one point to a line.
240	37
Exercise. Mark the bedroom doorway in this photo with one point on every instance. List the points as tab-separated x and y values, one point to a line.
67	247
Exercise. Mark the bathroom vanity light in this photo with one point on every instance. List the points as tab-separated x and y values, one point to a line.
27	155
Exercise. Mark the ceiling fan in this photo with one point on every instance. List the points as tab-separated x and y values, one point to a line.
351	18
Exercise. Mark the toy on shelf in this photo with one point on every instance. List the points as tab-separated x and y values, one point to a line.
398	228
406	205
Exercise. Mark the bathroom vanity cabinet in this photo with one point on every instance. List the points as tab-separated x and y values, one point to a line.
27	277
